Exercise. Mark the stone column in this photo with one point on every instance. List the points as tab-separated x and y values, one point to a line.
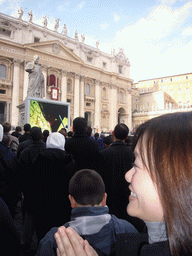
25	83
82	101
64	86
44	71
129	113
76	96
113	107
97	121
15	97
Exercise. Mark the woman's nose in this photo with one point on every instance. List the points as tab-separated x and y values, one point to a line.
129	174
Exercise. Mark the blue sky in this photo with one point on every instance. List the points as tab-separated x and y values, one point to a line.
156	34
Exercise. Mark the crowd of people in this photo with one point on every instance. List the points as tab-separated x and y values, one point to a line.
130	195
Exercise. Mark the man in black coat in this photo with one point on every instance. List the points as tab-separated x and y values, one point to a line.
84	150
26	135
114	162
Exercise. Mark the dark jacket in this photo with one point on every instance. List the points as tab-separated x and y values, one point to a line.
137	245
9	173
26	159
47	193
94	224
23	145
114	162
84	150
24	137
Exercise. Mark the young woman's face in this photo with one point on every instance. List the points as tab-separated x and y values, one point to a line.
144	201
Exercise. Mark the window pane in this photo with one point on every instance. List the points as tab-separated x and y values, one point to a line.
87	90
3	71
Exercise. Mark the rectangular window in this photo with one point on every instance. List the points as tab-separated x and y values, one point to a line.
36	39
120	69
161	80
187	90
89	59
5	32
171	79
88	104
186	77
2	91
69	100
104	65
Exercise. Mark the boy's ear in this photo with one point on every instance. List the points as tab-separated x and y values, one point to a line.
72	201
104	199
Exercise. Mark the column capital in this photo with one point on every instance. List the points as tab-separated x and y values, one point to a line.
98	82
77	76
17	62
64	72
83	78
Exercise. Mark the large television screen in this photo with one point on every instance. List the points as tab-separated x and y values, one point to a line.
47	114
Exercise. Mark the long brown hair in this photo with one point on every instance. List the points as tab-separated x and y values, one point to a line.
169	153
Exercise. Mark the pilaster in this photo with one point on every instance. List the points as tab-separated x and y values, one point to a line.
82	79
129	103
113	106
44	71
15	97
64	86
25	83
97	121
76	96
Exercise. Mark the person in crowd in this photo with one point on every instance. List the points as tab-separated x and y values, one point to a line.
89	132
161	192
13	141
114	162
100	143
28	155
46	198
69	134
10	237
90	216
96	135
26	135
45	135
9	168
84	150
17	132
108	140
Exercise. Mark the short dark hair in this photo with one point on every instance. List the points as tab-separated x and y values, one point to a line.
121	131
70	134
27	127
89	131
46	133
87	187
6	126
36	133
108	140
18	129
79	125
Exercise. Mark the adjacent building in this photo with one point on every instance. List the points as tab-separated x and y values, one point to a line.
162	95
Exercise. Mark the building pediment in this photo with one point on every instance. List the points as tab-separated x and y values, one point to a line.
54	48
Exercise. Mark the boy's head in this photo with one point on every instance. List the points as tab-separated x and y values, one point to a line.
86	188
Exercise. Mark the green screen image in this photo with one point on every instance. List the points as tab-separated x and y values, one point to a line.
48	116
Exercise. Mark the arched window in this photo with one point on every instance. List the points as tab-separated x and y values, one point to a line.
52	80
87	89
3	71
